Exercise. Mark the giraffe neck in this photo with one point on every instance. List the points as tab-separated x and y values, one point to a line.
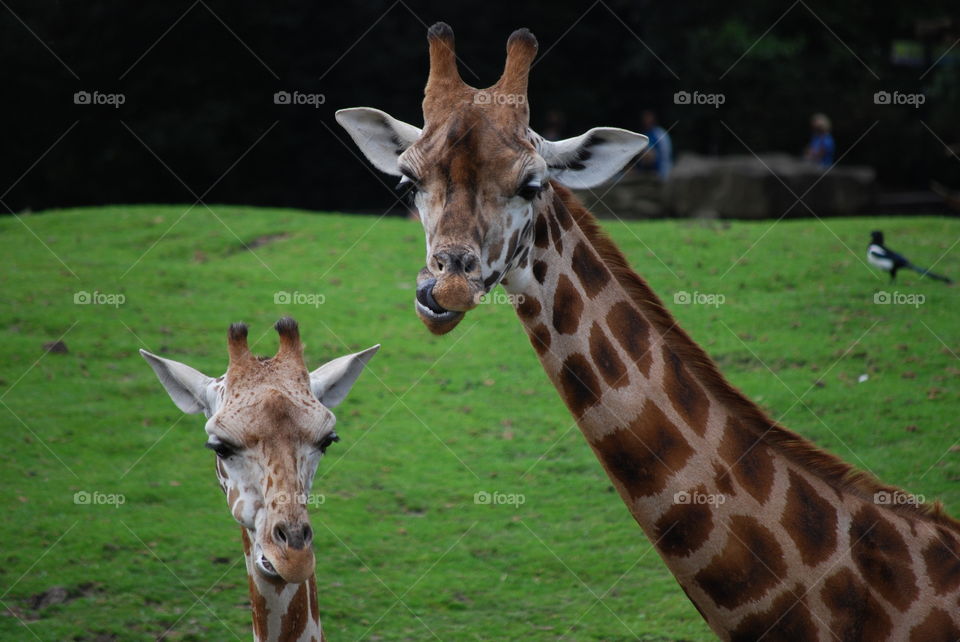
282	612
762	530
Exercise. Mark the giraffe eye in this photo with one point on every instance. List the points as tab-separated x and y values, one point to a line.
222	448
324	443
407	188
530	190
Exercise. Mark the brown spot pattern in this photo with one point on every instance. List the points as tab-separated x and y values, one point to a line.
540	271
723	480
788	619
567	306
605	357
579	384
563	216
529	308
685	394
749	458
942	559
556	234
750	564
541	237
294	621
591	271
881	555
937	627
540	338
855	613
684	528
632	332
810	521
646	453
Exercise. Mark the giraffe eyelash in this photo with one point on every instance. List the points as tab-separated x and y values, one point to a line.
223	449
325	443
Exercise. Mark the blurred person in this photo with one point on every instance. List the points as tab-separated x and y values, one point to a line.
821	148
658	156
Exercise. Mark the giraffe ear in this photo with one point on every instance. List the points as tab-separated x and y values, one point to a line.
380	136
190	389
332	381
591	158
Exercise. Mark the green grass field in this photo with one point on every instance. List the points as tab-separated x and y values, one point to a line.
403	551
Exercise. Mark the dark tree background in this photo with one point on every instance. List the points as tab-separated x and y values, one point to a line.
198	78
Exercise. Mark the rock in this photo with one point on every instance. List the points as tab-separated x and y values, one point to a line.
53	595
747	187
56	347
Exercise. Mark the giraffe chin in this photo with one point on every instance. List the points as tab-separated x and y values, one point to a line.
291	566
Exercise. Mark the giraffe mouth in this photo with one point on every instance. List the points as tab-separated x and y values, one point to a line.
264	565
428	305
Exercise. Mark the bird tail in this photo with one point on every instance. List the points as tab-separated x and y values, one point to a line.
932	275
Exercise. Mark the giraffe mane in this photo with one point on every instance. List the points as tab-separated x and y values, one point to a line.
839	474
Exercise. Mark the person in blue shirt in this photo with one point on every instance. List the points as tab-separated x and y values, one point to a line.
821	148
658	156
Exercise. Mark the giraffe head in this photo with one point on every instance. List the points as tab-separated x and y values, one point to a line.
477	172
269	423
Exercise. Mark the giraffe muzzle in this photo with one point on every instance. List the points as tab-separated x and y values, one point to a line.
437	318
292	565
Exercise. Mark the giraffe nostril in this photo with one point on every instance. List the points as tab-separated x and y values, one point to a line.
280	534
307	534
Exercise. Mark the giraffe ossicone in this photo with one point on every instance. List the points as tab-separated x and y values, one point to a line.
769	536
269	424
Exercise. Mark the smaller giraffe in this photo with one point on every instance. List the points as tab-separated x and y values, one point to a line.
269	423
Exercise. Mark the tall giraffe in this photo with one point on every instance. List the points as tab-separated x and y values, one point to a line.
269	423
802	545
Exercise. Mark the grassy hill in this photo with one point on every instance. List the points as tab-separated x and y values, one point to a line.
403	550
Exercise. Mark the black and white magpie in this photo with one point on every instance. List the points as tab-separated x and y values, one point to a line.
889	261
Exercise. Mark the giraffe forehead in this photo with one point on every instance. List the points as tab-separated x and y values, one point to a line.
472	147
271	415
